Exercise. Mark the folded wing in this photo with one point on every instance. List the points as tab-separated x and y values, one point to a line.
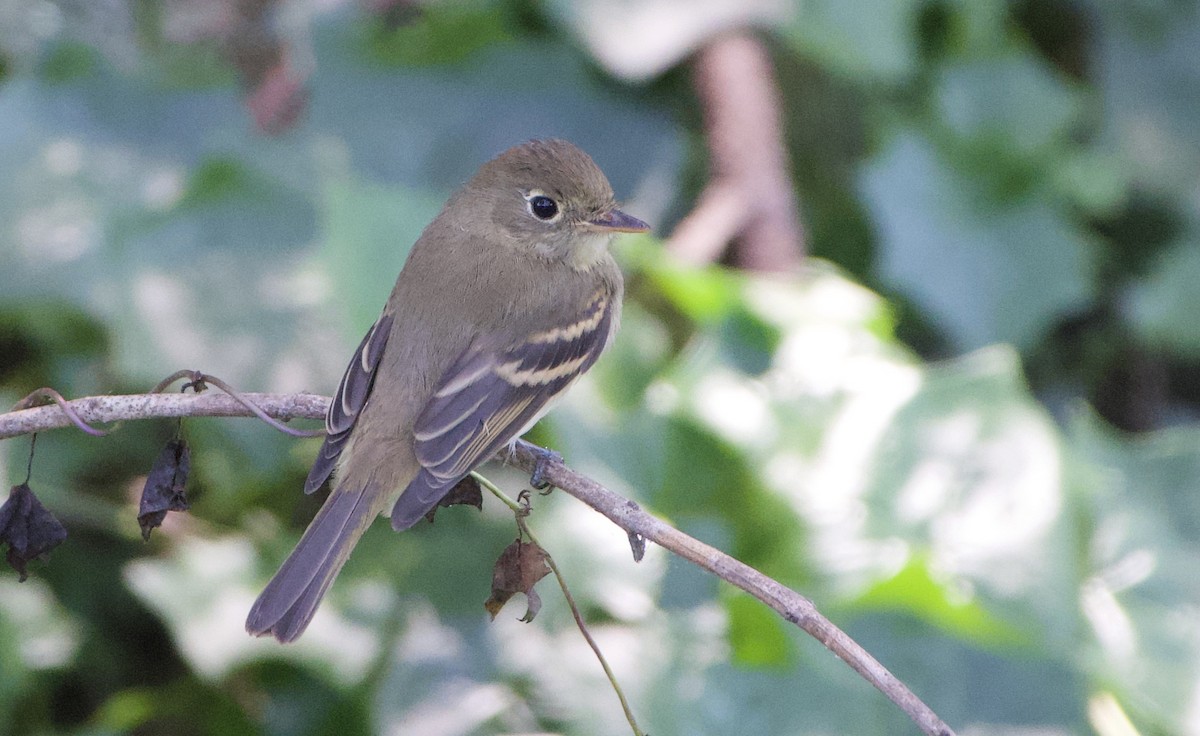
491	395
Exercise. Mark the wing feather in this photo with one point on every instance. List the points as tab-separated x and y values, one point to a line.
352	394
491	394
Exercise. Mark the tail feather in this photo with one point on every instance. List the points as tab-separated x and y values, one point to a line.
289	601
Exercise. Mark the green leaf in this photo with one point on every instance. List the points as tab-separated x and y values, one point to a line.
988	271
858	38
1014	102
704	295
1162	306
70	62
36	635
184	705
1140	499
634	359
203	588
915	590
756	634
368	231
438	33
971	472
1144	54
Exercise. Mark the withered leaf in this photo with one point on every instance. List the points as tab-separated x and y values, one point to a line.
28	528
520	566
165	486
466	492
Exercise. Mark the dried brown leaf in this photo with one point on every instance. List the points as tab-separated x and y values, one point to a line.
29	529
520	566
464	493
165	488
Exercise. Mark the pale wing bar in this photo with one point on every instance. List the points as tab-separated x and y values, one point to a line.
488	396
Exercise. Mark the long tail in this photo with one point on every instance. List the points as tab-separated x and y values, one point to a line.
289	601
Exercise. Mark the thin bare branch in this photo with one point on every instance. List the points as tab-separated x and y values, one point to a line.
785	601
749	200
720	214
621	511
101	409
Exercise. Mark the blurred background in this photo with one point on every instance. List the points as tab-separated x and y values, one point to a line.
965	424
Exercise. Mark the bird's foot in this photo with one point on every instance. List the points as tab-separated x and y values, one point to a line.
544	458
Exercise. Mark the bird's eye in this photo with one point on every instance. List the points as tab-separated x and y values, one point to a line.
543	207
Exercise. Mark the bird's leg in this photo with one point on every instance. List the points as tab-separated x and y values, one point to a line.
543	459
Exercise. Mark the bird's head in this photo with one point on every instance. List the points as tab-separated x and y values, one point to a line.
549	198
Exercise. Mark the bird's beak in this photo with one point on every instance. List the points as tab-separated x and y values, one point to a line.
616	221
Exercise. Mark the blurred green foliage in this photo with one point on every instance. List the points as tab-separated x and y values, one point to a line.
1009	188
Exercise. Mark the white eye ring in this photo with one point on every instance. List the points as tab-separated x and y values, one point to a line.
542	207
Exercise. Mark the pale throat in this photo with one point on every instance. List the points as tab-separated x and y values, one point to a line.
587	249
